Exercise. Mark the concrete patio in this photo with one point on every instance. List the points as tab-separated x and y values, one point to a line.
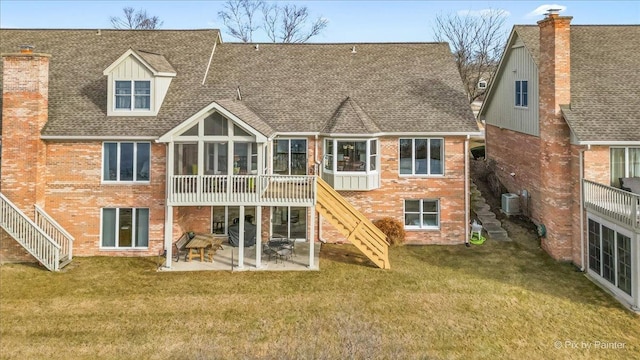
227	260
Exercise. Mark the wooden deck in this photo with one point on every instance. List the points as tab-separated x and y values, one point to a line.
618	205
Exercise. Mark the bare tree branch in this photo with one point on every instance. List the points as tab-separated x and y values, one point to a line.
139	20
476	43
287	24
239	18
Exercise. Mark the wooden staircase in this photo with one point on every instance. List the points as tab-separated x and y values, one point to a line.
44	239
353	224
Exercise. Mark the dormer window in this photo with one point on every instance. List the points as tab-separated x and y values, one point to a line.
133	95
137	83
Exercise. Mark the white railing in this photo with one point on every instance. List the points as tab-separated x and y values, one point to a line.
29	235
56	232
614	203
241	189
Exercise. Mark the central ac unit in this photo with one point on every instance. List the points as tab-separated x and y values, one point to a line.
510	204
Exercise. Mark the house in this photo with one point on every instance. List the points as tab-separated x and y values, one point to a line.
562	128
123	140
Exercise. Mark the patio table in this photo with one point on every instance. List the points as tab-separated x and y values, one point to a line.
197	245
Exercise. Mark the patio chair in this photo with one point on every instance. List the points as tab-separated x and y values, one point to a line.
180	247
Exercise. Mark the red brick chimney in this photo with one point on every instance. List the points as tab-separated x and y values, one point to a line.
555	160
25	92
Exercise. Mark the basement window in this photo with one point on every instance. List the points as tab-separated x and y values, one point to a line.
125	228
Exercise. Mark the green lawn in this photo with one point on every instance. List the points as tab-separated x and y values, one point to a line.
498	300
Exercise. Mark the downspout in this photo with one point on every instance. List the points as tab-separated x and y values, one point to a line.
582	207
318	166
466	187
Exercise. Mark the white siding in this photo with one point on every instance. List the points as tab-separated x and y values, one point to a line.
131	69
502	112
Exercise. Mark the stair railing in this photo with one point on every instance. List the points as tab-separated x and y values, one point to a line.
56	232
29	235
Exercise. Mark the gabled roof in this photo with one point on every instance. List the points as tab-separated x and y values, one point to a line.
155	63
349	118
291	88
604	77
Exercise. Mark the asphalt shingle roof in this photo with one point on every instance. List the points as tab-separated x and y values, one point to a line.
605	71
403	87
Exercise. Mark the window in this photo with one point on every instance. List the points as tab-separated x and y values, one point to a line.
328	157
289	222
290	157
125	228
625	162
421	156
522	99
125	161
422	214
610	255
133	95
359	156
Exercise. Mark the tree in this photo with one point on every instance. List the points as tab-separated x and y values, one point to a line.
239	18
287	24
138	20
476	39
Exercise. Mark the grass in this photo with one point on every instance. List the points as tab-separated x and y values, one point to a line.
498	300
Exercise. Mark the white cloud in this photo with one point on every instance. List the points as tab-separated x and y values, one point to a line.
542	9
483	12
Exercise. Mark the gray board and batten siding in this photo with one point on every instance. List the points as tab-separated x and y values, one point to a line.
502	112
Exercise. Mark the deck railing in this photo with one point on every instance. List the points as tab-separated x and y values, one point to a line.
619	205
241	189
56	232
29	235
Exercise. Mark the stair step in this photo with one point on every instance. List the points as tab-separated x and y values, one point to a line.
496	232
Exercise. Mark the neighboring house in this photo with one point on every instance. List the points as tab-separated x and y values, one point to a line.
562	125
130	138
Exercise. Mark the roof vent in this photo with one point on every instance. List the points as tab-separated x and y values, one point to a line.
26	49
257	47
98	32
353	49
238	94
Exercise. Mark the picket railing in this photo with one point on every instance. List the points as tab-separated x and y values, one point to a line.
29	235
263	190
56	232
619	205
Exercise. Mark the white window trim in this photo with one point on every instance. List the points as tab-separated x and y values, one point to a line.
135	156
598	277
413	158
117	233
132	111
626	159
521	97
334	166
421	227
289	139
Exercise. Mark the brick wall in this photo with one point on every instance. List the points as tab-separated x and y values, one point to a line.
24	112
74	195
555	153
388	200
519	154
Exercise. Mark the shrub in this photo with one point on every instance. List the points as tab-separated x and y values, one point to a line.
393	228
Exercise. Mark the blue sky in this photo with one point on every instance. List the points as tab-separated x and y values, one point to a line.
349	21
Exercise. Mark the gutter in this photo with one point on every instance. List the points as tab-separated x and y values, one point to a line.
92	138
